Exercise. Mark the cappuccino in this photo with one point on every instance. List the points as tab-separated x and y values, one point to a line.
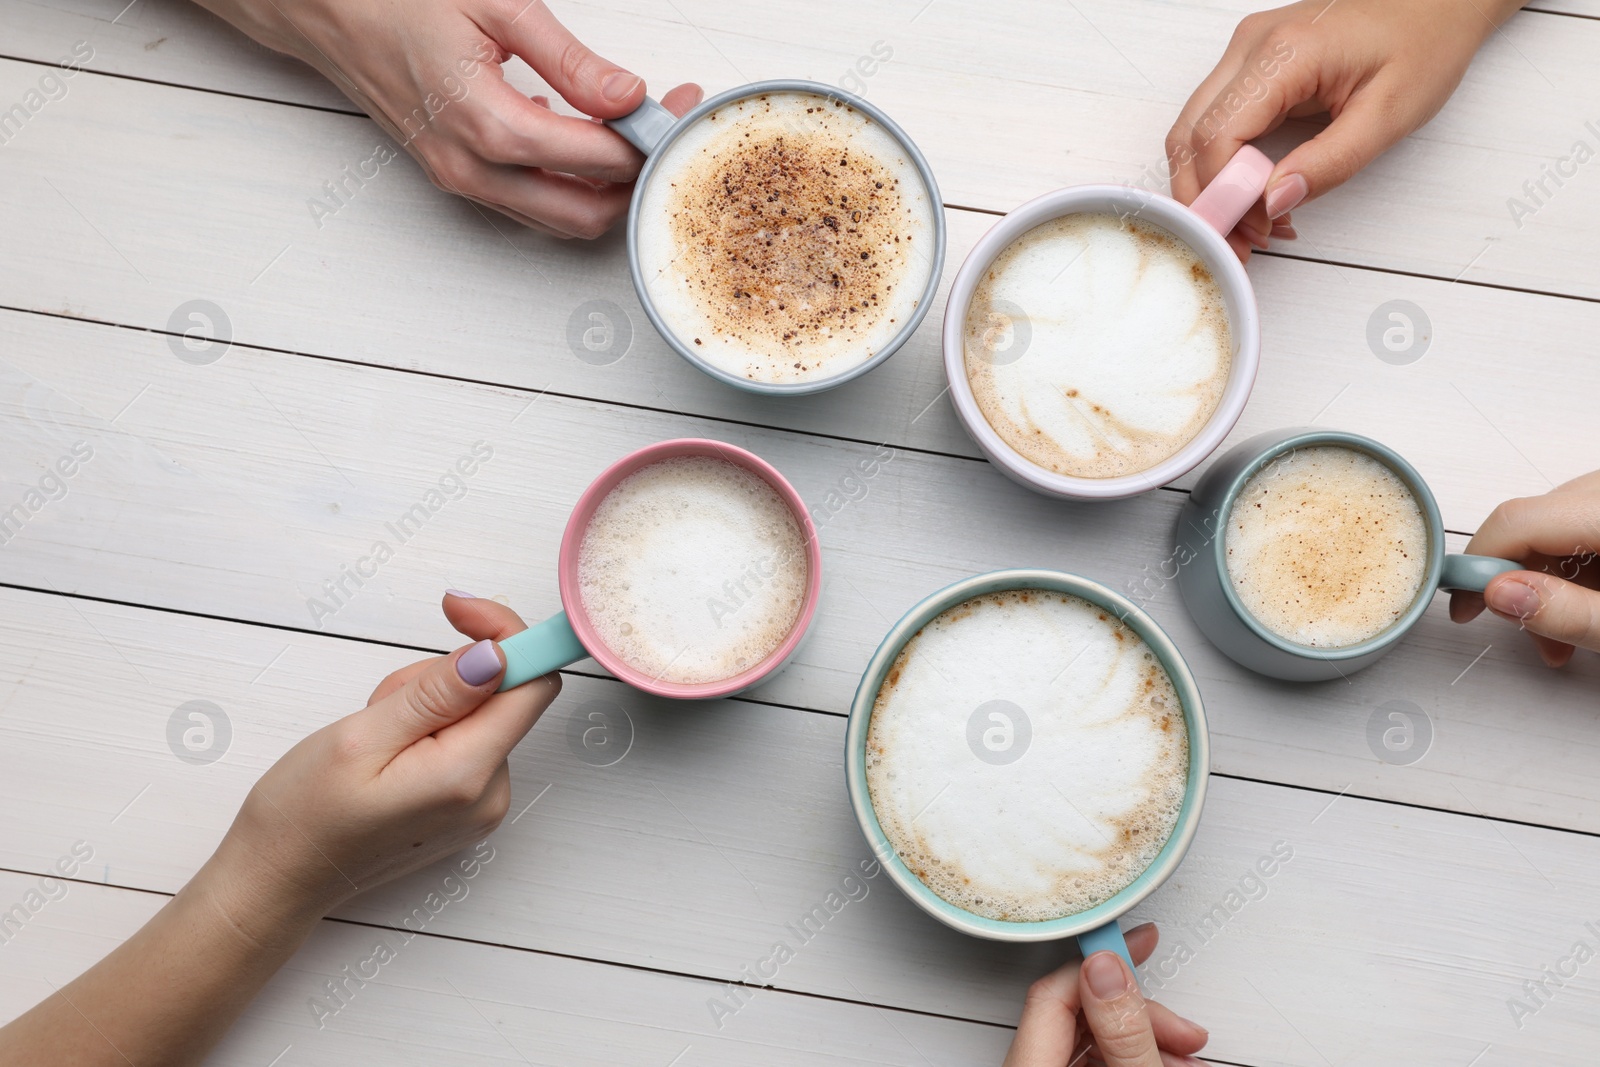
1097	346
1326	546
1027	755
786	237
693	570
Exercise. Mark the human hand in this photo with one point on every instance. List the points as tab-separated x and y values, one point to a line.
418	68
1379	68
416	775
1092	1013
1557	537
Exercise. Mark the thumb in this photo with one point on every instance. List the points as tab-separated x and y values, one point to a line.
1365	129
593	85
1116	1013
449	689
1548	606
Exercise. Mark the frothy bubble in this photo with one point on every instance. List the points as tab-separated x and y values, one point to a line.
1127	345
693	569
1326	546
1089	805
786	237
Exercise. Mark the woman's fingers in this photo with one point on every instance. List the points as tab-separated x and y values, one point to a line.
444	691
398	679
1116	1013
1566	614
682	98
1365	127
1173	1032
1049	1033
590	83
1557	525
489	734
507	127
481	619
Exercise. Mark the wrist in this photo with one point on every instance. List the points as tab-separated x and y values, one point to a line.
265	908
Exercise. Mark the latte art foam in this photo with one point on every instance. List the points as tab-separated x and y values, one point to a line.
1326	546
693	570
1096	791
1097	347
786	237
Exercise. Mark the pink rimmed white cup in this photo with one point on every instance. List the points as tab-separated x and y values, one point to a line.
569	636
1203	226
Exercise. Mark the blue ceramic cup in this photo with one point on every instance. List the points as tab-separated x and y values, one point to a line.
1208	592
652	129
1097	928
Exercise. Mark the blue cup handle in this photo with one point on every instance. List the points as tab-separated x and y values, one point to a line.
645	125
1107	938
1471	573
538	650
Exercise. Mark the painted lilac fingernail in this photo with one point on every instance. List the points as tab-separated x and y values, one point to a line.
479	664
459	593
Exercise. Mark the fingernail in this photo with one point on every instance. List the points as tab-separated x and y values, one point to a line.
1196	1027
478	664
1190	1061
1517	599
699	95
1285	196
1284	232
1108	979
459	593
619	85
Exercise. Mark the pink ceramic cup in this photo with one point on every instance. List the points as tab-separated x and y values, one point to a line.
569	636
1203	226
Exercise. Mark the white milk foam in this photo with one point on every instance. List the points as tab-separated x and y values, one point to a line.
1095	794
786	237
1326	546
1125	345
693	570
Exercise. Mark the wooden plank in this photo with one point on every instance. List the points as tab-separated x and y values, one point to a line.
442	290
1106	87
435	997
238	489
725	824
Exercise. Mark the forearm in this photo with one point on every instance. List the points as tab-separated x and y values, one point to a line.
167	994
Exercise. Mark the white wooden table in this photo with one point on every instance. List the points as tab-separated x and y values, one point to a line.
371	352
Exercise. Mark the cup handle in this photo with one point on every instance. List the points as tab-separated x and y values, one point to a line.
1471	573
645	125
1234	190
540	649
1107	938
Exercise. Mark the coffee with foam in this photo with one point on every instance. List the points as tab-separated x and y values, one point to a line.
693	570
786	237
1027	755
1097	346
1326	546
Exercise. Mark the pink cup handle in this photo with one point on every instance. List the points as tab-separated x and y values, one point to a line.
1233	191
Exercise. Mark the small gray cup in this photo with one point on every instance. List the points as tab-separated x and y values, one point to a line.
651	128
1208	592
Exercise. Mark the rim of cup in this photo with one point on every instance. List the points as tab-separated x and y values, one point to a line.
1171	854
929	292
578	524
1308	437
1243	322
